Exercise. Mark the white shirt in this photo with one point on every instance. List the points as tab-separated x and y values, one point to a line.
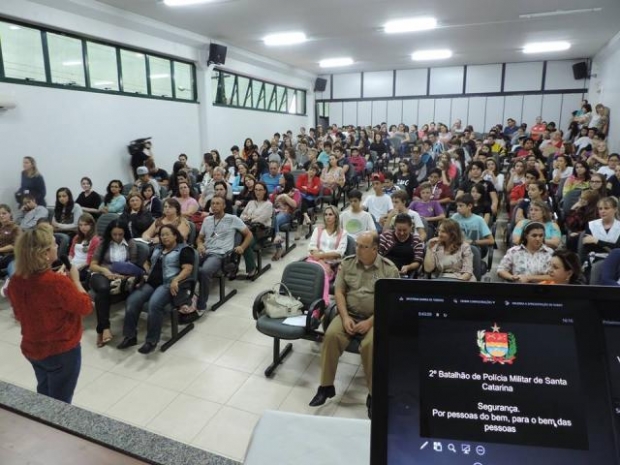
118	252
378	206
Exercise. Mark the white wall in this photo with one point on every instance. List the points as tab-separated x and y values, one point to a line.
225	126
605	87
479	111
73	134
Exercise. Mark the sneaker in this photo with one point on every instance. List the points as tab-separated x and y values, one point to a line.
5	287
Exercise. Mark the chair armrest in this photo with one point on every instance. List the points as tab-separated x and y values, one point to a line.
257	306
318	304
330	313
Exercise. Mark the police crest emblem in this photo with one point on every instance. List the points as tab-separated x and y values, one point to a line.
496	346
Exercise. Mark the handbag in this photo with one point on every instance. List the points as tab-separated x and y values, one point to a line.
281	305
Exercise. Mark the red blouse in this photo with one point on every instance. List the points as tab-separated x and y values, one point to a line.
50	310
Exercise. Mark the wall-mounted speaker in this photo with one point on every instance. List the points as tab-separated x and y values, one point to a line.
580	70
320	84
217	54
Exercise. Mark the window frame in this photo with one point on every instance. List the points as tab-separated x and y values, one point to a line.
262	101
87	75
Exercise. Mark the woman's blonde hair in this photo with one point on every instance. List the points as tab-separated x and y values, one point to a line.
30	248
35	171
336	217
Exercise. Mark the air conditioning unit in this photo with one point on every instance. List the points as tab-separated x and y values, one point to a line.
6	103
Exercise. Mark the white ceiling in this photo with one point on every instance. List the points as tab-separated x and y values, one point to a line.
478	31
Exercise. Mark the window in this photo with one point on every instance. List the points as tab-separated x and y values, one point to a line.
243	85
34	55
235	90
183	81
133	67
22	52
161	80
102	67
66	60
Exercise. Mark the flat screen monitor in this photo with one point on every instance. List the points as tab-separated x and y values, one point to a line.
486	374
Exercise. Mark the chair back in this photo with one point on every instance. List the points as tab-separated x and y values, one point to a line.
305	281
191	237
350	246
127	189
103	222
144	252
63	242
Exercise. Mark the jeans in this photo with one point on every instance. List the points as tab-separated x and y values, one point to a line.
57	375
282	218
158	298
211	265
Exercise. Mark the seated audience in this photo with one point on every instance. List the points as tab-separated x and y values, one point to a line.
439	191
539	212
529	261
536	190
88	199
426	206
327	246
172	215
402	246
66	212
564	268
475	175
208	189
332	179
9	231
399	201
159	175
216	239
405	179
112	266
136	216
272	178
171	262
114	201
144	177
152	203
378	204
30	214
603	234
580	179
448	255
189	205
258	217
84	245
481	207
246	194
354	220
286	199
309	186
580	214
475	229
354	290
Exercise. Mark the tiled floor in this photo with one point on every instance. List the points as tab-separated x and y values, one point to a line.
208	390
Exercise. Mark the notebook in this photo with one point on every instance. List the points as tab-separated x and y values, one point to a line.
492	373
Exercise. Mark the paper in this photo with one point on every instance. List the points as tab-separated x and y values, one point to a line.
299	320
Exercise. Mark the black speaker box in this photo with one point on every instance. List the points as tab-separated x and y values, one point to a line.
320	84
580	70
217	54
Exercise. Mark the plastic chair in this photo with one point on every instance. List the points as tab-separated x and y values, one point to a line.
103	222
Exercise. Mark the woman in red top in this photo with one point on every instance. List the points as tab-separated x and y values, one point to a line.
49	305
309	185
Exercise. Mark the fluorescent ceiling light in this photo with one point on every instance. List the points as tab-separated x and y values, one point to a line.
103	83
15	28
72	63
185	2
425	55
559	13
159	76
410	25
285	38
541	47
334	62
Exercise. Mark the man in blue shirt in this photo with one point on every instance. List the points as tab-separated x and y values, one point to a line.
272	178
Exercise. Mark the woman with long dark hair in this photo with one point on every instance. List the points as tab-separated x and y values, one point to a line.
248	148
66	212
88	199
113	201
152	203
113	263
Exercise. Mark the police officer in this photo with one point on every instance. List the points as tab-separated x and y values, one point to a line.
355	289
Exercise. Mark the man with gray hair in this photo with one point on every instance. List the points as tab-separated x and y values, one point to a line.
219	174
